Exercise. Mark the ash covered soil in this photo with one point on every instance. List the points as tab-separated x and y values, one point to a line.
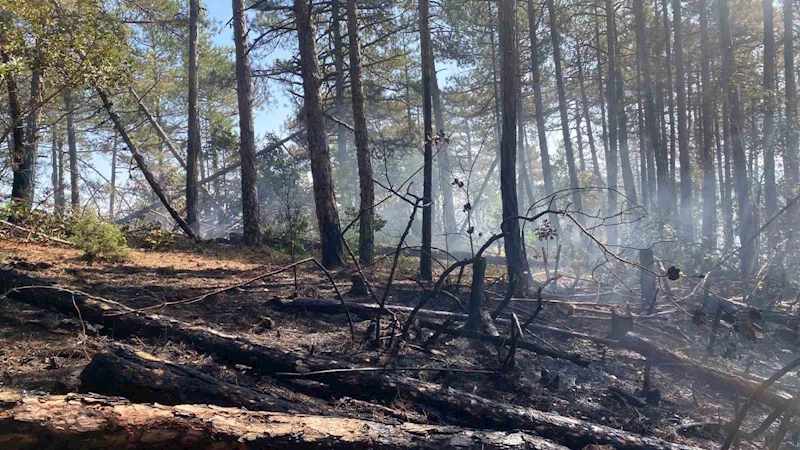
46	351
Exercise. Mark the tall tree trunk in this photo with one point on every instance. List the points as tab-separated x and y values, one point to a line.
709	186
562	106
541	129
113	195
526	184
425	262
15	117
670	92
726	191
137	156
613	117
686	226
247	136
56	175
651	119
791	153
327	217
338	61
72	145
647	184
193	144
366	227
445	172
25	158
509	60
585	102
579	136
770	189
600	91
624	152
747	254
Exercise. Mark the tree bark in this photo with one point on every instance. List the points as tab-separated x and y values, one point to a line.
193	144
445	172
56	174
425	260
72	145
709	185
770	188
587	117
97	422
579	137
685	220
791	153
624	152
509	62
366	227
247	136
651	119
562	106
338	62
143	166
541	126
22	188
327	217
113	195
613	116
142	378
747	254
670	92
15	117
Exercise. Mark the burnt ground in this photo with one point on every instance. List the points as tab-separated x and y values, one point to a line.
45	351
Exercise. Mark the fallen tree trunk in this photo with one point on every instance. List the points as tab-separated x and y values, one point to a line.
97	422
719	380
151	180
143	378
500	341
457	406
370	309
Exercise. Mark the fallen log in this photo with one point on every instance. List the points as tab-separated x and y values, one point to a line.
97	422
142	378
370	309
718	380
456	406
500	341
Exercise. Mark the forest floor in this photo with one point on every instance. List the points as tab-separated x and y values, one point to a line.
42	350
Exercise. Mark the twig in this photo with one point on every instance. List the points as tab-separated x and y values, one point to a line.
380	369
339	296
737	422
395	260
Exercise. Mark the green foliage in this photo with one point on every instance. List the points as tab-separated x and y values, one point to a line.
98	238
289	236
351	237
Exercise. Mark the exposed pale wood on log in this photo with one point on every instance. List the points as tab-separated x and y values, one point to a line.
97	422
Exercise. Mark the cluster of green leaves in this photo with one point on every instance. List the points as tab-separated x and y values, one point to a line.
78	40
99	238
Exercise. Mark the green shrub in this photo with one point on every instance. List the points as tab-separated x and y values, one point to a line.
98	238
